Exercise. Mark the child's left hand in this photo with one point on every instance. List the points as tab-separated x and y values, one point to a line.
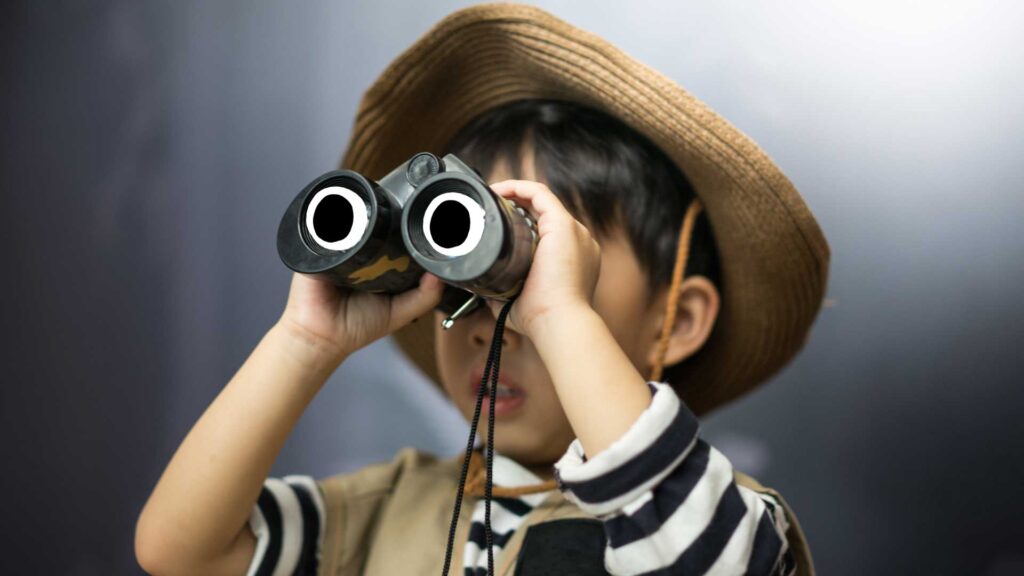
566	263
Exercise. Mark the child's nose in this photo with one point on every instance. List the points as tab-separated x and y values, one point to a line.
481	332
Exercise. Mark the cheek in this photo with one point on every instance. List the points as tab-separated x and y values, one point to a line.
615	302
609	298
443	353
453	355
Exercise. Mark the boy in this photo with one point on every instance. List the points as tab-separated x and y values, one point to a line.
596	470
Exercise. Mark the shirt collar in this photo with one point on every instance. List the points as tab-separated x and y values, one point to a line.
507	472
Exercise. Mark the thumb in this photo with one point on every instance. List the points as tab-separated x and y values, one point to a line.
495	307
412	304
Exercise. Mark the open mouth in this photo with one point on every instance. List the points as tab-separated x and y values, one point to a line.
503	391
507	398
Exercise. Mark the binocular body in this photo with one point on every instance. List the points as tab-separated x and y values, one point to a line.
429	214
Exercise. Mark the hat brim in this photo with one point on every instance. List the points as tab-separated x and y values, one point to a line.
774	256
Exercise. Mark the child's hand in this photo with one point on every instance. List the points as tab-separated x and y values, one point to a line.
344	320
565	265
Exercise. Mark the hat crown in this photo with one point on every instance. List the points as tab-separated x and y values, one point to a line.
774	256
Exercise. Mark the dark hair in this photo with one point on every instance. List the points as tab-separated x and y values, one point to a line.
604	172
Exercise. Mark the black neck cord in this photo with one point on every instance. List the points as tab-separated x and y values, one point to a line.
493	359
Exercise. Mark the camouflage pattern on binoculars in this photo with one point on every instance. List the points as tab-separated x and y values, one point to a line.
429	214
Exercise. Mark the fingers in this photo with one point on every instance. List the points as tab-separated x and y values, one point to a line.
537	198
412	304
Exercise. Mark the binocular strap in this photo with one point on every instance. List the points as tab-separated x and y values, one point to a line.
493	360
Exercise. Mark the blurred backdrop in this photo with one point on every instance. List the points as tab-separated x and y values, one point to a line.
150	148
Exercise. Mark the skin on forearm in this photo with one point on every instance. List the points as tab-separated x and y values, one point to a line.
206	494
601	391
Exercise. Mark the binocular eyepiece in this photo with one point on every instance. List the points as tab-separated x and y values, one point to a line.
429	214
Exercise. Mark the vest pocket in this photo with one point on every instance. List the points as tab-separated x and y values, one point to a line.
563	547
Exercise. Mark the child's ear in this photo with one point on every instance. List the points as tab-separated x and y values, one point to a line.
696	311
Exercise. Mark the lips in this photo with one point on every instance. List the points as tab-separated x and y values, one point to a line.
478	375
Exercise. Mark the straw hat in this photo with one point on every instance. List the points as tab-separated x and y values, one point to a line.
774	257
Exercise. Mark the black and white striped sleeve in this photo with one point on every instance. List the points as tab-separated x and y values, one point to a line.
669	502
288	522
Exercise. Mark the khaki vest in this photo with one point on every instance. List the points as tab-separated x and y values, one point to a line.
393	518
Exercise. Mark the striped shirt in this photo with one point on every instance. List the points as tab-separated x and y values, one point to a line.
668	502
288	523
507	514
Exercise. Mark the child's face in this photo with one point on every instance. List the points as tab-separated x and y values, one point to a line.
537	432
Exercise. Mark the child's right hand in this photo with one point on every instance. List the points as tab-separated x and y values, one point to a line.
194	521
343	320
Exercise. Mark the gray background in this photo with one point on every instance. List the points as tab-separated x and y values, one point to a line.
149	149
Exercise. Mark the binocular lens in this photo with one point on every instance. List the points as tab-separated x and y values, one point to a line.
336	218
427	215
453	224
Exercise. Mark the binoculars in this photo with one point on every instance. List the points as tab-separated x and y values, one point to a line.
429	214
